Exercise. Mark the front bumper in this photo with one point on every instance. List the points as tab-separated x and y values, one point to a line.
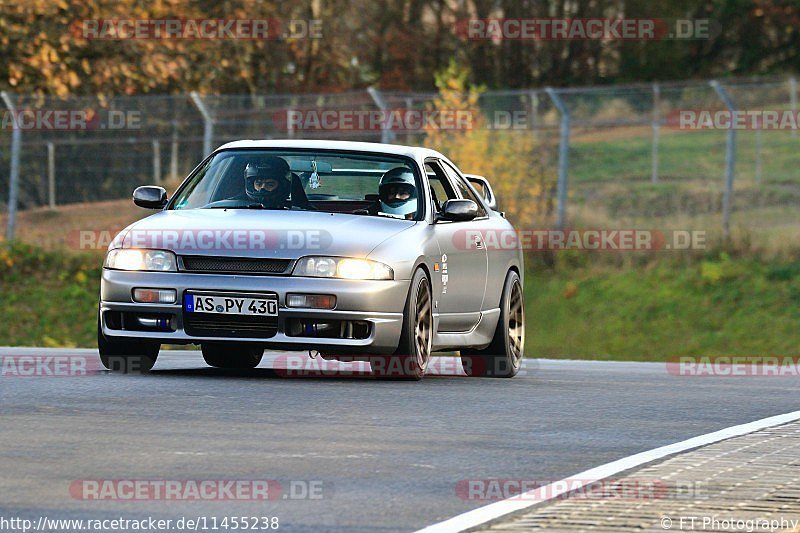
380	303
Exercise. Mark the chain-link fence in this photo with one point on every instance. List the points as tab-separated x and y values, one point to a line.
648	155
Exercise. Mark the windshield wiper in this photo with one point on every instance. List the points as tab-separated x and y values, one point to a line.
245	206
259	206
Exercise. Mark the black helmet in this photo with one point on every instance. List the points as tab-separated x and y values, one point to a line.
258	176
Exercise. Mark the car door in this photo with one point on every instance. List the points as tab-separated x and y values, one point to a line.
463	263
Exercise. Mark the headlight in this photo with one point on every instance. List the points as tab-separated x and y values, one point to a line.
132	259
341	267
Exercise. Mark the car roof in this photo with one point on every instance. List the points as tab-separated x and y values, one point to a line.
415	152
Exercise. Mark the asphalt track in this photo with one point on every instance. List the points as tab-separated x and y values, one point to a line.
379	455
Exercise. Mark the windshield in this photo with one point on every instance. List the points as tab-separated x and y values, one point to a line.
329	181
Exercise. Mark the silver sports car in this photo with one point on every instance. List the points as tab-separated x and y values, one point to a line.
347	250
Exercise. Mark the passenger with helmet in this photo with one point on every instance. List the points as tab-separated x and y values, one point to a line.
398	193
268	182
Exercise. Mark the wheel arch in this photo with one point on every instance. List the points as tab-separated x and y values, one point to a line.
420	263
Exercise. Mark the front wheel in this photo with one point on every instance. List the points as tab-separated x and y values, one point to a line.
232	355
416	339
503	357
127	357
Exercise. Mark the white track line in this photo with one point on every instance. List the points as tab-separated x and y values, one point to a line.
491	512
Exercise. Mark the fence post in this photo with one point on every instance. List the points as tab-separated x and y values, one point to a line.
409	107
51	175
730	161
173	153
291	113
387	135
156	162
208	122
290	122
793	99
759	144
534	96
656	131
13	179
563	156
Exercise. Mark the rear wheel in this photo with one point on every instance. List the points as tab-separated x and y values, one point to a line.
127	357
232	355
416	339
503	357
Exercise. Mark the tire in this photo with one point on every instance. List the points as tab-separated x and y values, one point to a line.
413	353
126	357
232	355
503	357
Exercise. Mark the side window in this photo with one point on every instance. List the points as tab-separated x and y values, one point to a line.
465	190
441	189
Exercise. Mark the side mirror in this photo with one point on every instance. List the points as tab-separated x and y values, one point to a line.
150	197
458	210
481	185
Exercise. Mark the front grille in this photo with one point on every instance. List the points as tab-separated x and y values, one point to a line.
233	265
214	325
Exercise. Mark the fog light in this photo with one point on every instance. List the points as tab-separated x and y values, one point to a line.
155	296
311	301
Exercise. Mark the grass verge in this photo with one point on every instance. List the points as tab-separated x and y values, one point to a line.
715	305
48	298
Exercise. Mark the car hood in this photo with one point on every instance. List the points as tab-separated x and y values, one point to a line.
261	233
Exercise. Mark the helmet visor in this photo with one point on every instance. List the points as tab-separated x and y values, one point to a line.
397	194
265	184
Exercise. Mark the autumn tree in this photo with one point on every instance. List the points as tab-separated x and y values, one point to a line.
395	44
512	160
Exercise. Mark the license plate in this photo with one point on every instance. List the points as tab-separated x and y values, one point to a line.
230	304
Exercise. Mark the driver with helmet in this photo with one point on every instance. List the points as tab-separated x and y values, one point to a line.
398	193
268	182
